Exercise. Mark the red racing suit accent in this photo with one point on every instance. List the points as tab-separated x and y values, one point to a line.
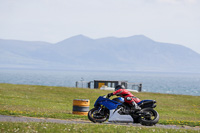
128	97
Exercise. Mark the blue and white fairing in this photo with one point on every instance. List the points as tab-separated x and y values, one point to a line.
112	105
116	117
109	104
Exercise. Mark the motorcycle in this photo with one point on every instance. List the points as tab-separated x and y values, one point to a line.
116	110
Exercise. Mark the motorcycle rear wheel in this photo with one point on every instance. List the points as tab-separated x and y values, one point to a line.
150	118
95	116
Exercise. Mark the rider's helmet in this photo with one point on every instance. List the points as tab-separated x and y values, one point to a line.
119	87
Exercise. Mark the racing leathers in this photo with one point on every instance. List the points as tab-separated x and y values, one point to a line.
128	98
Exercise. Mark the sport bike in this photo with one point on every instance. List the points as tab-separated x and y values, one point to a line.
116	110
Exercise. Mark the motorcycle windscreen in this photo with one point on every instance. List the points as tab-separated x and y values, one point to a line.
116	117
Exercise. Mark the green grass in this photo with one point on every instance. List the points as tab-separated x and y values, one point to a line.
6	127
57	102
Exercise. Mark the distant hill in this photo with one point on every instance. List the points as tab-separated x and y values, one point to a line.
135	53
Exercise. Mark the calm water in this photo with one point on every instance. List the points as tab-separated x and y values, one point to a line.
173	83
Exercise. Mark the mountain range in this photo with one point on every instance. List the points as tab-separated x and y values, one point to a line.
134	53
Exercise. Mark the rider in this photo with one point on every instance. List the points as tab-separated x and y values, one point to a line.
128	97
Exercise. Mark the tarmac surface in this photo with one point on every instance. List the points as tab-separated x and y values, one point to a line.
5	118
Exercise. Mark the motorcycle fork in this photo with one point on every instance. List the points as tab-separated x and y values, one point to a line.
100	110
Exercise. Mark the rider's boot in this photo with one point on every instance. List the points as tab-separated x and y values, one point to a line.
134	107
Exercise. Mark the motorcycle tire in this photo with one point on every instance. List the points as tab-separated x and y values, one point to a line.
151	119
96	117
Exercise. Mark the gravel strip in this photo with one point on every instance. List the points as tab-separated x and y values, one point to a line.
4	118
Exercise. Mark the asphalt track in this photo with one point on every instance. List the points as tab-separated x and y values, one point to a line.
4	118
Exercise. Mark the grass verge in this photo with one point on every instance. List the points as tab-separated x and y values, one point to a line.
6	127
57	102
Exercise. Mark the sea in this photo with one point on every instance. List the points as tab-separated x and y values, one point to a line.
170	83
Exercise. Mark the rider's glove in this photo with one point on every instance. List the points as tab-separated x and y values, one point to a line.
110	94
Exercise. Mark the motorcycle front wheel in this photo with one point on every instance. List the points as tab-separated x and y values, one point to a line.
95	115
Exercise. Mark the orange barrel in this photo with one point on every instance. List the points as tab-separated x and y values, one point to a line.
81	106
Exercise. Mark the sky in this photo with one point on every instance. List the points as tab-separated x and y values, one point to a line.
170	21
